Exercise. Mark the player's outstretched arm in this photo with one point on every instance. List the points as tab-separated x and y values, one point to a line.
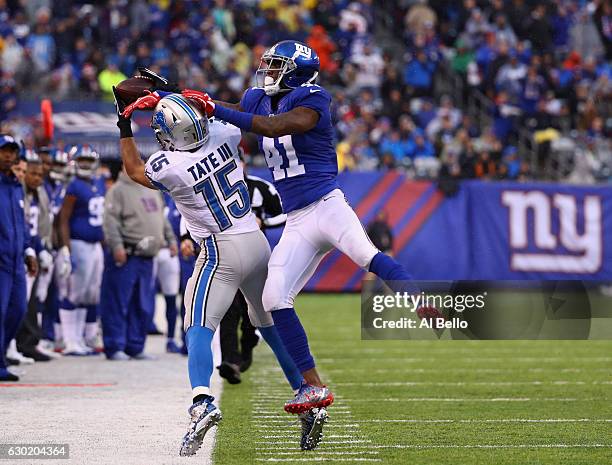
296	121
132	163
231	106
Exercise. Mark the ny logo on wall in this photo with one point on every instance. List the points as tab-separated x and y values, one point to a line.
569	248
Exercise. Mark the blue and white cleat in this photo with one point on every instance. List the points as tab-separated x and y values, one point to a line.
309	397
312	427
204	415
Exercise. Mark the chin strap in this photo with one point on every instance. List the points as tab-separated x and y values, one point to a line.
313	78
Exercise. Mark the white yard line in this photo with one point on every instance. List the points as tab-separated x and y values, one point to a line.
472	383
299	452
386	371
477	360
493	446
272	445
434	351
500	420
350	444
318	459
469	399
270	413
327	436
341	426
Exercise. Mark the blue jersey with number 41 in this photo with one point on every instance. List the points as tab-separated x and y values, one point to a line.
304	166
88	214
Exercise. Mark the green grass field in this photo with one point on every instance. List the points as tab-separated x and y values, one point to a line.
427	402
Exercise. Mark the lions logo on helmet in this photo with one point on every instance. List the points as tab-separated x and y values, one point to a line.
286	66
178	125
86	160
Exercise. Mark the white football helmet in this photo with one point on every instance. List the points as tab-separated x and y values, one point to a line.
178	125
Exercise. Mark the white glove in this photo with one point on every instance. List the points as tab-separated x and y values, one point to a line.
45	260
64	266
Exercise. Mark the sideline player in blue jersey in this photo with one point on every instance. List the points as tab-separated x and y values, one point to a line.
80	219
55	183
290	113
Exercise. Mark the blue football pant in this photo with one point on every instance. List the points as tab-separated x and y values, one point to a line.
125	306
12	307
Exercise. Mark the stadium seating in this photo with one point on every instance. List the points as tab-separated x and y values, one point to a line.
488	88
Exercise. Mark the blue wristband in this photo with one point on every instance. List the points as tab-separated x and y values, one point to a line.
163	93
237	118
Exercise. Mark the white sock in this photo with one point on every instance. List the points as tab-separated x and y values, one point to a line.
80	326
57	332
68	319
91	331
196	391
11	352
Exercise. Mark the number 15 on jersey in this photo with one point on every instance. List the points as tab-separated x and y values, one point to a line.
239	206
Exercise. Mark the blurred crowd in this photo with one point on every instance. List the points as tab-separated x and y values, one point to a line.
543	65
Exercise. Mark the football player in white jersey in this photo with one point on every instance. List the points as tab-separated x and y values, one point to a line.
199	166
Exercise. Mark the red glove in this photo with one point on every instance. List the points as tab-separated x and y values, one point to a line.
201	100
146	102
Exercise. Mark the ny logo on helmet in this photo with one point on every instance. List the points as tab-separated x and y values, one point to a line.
302	50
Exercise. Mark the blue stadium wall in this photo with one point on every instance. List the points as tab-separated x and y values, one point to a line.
487	231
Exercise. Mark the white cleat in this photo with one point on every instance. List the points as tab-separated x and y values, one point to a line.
44	348
13	353
75	350
204	415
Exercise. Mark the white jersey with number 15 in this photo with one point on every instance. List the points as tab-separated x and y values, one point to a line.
207	185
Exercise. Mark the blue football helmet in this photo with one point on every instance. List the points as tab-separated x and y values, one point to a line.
286	66
86	160
59	164
31	156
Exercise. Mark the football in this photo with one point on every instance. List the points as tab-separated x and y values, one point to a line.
132	88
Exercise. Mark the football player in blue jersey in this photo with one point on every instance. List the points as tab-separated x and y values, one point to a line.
56	179
290	113
55	183
80	220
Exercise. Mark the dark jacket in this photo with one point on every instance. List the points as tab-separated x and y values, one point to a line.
14	233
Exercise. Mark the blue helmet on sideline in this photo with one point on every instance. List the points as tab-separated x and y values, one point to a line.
286	66
31	156
85	159
9	141
59	164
